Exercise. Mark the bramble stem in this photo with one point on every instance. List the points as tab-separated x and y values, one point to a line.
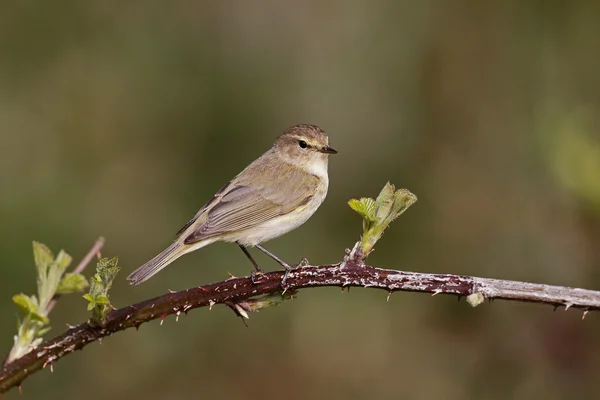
239	290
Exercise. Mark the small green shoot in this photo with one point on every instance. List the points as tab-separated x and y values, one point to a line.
378	213
100	284
51	281
254	304
475	299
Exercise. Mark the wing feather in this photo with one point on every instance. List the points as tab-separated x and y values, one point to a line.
243	205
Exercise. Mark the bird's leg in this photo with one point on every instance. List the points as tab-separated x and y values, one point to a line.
257	270
288	268
279	261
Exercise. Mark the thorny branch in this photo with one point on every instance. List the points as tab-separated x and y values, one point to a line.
238	293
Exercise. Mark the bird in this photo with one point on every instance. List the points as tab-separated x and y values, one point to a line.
275	194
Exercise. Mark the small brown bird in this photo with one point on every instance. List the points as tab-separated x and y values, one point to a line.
275	194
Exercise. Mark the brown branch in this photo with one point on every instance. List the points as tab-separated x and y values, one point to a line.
236	292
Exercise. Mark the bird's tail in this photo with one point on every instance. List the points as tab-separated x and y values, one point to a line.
152	267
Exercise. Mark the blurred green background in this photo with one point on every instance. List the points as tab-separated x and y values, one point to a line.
122	119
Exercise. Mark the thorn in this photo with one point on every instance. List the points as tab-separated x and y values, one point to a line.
210	304
51	367
137	327
231	276
555	307
436	292
169	291
69	326
388	296
285	290
584	314
99	340
20	389
567	306
177	316
162	319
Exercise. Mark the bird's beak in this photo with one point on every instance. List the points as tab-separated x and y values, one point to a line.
327	150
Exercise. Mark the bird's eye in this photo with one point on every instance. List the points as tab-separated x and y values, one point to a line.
302	144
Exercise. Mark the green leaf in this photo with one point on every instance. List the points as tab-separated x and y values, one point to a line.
89	297
26	304
403	199
106	271
102	300
29	307
39	318
264	301
42	256
384	202
101	282
72	282
366	207
91	301
55	274
43	331
62	262
50	271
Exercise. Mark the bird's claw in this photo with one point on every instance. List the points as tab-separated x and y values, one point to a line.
255	276
289	268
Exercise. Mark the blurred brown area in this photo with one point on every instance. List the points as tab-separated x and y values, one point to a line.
122	119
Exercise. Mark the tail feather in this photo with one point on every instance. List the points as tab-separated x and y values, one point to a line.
153	266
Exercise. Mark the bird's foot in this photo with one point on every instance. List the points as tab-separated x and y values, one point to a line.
255	275
290	268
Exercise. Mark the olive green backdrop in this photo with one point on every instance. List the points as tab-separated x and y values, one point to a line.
121	119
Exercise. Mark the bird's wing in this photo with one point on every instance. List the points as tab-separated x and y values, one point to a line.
204	207
242	206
